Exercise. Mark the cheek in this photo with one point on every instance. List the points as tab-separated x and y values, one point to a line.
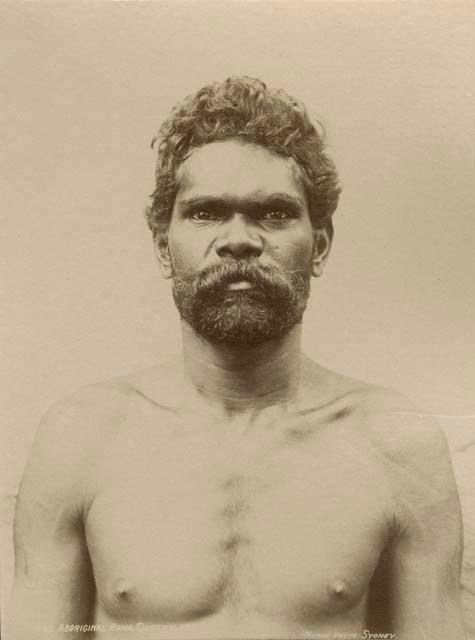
295	252
183	261
183	248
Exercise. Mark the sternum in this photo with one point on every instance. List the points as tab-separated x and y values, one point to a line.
243	590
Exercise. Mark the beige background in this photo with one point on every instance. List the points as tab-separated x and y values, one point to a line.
84	88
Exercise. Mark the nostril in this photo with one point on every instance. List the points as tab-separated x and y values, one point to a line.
239	246
235	249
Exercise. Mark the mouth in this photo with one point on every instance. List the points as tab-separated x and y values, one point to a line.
240	285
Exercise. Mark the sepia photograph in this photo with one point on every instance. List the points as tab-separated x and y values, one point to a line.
238	331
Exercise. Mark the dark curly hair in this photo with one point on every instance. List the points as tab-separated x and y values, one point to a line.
243	108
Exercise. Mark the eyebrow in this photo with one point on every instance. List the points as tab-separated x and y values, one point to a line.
226	201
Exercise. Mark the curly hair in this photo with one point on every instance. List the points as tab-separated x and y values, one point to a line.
243	108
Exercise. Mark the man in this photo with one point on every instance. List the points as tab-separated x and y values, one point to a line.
241	491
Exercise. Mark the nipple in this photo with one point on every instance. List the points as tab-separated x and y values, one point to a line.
338	589
122	592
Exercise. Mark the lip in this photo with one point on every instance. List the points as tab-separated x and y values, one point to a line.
240	285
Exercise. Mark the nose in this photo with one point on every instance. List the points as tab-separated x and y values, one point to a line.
238	238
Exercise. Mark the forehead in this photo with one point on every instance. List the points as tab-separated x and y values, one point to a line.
242	170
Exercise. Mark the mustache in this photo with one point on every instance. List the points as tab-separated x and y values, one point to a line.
265	278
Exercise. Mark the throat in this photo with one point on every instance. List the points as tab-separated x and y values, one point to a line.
239	377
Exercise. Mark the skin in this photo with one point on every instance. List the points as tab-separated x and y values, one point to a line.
239	492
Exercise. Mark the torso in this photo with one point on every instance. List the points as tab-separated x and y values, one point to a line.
196	532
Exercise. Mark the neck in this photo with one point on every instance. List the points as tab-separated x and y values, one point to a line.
243	377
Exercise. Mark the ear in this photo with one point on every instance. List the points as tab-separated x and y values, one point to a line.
162	252
321	249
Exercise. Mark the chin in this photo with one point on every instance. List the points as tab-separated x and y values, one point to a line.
244	321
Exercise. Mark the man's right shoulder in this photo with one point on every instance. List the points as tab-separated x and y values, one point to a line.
88	407
99	411
76	430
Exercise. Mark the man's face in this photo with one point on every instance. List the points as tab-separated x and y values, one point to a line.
240	243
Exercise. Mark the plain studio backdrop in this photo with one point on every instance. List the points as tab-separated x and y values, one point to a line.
85	87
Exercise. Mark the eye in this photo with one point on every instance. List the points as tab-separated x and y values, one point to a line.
276	215
203	215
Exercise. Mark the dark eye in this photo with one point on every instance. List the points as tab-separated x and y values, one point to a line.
203	215
276	215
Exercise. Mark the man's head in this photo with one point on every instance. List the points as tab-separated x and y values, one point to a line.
244	194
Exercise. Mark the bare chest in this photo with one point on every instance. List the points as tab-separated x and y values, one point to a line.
197	527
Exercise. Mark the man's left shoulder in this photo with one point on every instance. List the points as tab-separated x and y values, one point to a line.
417	460
407	437
398	430
397	422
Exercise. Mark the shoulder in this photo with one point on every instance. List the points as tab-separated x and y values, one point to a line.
75	430
403	432
82	422
84	415
98	410
397	427
70	442
409	444
67	438
414	452
394	424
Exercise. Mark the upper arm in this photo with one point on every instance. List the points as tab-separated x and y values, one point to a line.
424	557
53	582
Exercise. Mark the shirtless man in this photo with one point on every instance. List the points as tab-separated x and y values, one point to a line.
241	491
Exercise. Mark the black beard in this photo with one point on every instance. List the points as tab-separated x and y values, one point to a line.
268	310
